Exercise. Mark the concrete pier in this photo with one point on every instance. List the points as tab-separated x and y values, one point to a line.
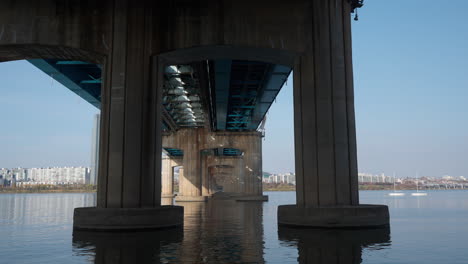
247	49
324	127
203	162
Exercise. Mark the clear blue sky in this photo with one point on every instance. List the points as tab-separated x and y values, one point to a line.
411	87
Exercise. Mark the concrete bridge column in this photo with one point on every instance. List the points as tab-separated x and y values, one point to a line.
324	124
129	181
167	180
252	146
190	183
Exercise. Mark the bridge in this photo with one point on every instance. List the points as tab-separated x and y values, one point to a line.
194	80
218	99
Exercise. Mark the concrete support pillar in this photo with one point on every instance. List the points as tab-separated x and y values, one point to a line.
252	147
324	126
181	175
206	174
167	180
190	184
129	185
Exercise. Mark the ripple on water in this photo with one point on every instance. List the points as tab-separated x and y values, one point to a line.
37	228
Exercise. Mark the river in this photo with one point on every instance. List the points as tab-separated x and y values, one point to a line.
37	228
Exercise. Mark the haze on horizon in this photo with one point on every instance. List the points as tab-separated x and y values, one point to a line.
411	98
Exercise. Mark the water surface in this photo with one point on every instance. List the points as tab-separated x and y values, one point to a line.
37	228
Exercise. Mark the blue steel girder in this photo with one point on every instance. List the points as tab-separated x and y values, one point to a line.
85	80
80	77
222	71
252	88
173	152
275	81
232	152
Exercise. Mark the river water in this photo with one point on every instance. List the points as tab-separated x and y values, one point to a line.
37	228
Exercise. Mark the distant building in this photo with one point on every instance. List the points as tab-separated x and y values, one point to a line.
371	178
52	175
92	179
286	178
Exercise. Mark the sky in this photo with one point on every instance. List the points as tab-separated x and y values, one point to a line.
411	95
410	63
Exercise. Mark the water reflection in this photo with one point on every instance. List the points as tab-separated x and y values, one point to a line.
37	209
128	247
222	232
213	232
334	246
37	228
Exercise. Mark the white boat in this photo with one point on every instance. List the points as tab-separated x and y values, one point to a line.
395	193
418	193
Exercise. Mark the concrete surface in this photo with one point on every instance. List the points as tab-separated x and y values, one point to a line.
93	218
184	198
355	216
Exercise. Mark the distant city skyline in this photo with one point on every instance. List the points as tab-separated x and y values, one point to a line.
411	89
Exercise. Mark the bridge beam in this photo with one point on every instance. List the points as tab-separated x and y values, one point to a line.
324	124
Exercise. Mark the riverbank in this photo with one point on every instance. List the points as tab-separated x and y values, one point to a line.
268	187
75	188
271	187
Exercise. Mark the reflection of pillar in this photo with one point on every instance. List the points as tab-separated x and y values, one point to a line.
190	248
238	225
167	175
324	127
127	247
332	246
252	240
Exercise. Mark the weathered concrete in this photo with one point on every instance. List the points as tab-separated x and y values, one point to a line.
93	218
186	198
252	198
244	175
228	172
324	127
356	216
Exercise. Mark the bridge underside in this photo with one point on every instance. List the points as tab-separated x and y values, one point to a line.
191	69
224	95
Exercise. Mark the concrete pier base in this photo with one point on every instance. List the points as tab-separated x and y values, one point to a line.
184	198
93	218
358	216
252	198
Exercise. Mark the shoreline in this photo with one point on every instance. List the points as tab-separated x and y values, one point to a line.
279	188
46	191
